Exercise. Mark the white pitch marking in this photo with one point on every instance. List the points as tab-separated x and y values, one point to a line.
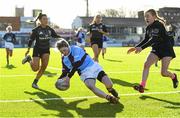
118	72
87	97
54	68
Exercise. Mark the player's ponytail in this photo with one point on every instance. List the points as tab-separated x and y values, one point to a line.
38	17
162	20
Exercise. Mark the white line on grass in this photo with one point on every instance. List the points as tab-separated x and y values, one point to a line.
53	68
115	72
87	97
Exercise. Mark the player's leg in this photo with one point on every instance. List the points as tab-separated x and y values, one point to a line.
102	77
151	59
95	51
7	56
35	63
11	49
104	49
90	83
83	45
165	73
103	52
99	51
156	64
10	53
44	63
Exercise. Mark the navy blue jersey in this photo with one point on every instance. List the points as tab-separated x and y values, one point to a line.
105	38
93	28
42	37
10	37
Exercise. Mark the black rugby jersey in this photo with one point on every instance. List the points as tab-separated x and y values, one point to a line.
42	37
171	35
93	28
156	35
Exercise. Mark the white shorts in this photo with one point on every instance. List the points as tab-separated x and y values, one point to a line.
80	44
91	72
104	44
9	45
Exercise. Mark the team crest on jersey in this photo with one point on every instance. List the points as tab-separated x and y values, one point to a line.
155	32
40	33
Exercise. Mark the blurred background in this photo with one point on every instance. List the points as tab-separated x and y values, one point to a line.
124	19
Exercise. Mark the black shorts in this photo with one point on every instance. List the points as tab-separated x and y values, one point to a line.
38	52
99	42
164	51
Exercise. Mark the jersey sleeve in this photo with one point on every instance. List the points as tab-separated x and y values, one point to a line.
157	31
14	38
90	28
143	41
4	37
104	28
65	70
54	34
32	38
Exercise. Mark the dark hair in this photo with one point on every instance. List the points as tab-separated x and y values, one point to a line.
39	17
154	13
61	43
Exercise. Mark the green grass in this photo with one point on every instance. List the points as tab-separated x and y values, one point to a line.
129	66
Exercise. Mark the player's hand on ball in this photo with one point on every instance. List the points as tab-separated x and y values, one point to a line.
131	50
63	83
67	80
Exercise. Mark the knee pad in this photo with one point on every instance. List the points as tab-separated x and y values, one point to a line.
101	75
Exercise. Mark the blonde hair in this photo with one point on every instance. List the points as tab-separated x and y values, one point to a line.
154	13
7	28
94	19
80	28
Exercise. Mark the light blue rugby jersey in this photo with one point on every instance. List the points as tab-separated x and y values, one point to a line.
77	53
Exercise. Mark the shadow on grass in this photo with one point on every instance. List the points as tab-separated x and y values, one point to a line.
49	74
59	105
176	105
113	60
174	69
124	83
9	66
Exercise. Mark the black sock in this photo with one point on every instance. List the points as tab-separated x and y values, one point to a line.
35	81
107	97
113	92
